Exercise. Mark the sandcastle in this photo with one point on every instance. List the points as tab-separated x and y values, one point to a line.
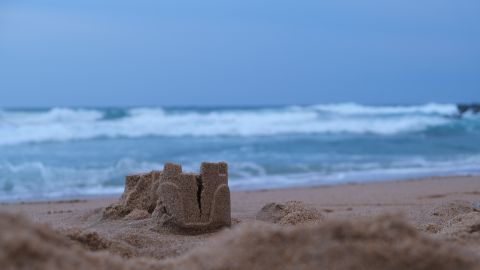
183	201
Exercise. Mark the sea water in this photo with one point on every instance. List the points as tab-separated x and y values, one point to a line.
75	152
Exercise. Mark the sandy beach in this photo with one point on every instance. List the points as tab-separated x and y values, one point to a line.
444	210
239	135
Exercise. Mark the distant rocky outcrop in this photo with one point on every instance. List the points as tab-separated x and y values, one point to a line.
468	108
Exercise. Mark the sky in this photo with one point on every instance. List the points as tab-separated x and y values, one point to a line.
249	52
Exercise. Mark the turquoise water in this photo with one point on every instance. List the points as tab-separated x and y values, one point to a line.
72	152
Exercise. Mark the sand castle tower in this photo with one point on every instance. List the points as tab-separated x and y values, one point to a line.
188	202
194	202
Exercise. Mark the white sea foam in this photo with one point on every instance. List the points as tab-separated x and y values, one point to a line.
357	109
61	124
38	180
373	172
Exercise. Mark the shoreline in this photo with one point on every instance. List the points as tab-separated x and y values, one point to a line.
418	192
113	196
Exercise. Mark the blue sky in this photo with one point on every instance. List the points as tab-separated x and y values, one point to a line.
249	52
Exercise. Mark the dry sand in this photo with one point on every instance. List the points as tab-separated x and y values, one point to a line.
422	224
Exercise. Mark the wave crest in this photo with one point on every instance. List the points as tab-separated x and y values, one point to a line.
63	124
357	109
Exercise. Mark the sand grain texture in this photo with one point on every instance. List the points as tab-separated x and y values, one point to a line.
386	242
27	246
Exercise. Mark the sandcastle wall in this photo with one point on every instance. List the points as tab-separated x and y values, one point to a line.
192	201
185	201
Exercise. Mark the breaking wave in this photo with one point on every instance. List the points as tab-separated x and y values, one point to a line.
39	180
65	124
357	109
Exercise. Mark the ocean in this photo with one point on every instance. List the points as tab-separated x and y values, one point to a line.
59	153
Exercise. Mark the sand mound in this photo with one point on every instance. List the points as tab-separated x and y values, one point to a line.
450	210
290	213
449	217
30	246
463	229
140	194
383	243
463	225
